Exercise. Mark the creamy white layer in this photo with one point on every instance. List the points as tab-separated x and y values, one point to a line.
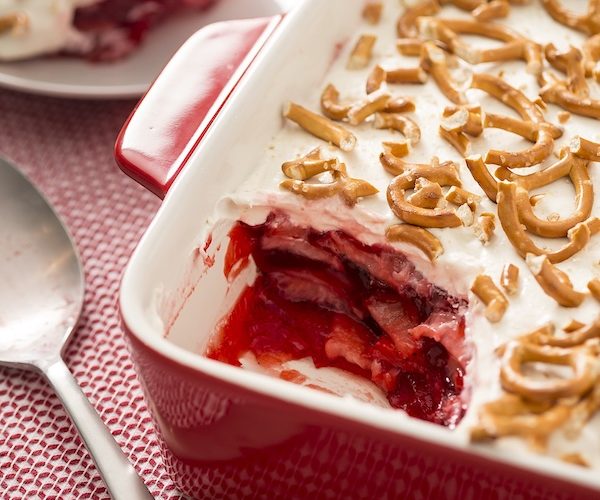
48	28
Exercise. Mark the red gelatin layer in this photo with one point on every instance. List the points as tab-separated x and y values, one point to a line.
363	309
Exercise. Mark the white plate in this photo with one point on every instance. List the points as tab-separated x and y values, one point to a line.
131	77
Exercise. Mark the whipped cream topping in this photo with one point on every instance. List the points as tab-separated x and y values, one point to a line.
465	257
47	28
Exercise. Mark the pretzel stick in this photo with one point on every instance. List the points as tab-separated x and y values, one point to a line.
553	282
434	61
418	237
483	177
487	291
319	126
584	148
510	279
362	52
375	79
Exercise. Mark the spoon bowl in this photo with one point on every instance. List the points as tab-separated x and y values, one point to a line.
42	289
41	297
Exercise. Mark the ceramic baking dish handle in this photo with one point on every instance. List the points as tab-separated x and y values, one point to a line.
173	116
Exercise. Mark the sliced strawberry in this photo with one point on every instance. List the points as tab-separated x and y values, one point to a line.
350	341
396	319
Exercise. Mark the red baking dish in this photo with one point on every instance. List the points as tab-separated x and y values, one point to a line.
229	433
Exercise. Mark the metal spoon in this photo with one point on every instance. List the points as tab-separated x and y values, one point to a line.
41	296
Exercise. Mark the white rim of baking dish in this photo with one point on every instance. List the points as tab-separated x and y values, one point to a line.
349	409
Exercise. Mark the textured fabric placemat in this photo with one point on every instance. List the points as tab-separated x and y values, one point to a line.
66	148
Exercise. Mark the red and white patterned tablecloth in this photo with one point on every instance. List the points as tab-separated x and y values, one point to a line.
66	148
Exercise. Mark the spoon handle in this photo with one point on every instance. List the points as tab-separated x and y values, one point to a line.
121	479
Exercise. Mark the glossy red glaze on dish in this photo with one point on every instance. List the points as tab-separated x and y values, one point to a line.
222	440
170	121
363	309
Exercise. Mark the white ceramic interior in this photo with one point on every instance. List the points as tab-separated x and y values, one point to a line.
294	59
128	78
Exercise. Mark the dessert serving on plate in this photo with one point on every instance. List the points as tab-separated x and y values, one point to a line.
100	30
422	233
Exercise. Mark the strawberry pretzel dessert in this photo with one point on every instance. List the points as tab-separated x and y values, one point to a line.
422	233
99	30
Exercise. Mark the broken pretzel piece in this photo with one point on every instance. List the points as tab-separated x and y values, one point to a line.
508	213
331	106
571	63
418	237
406	75
557	93
400	105
594	288
486	290
427	194
362	52
402	124
397	149
458	140
576	337
348	188
467	119
319	126
515	46
584	148
553	281
459	196
485	227
482	175
375	79
435	61
557	227
512	415
510	279
308	166
444	174
406	27
581	360
372	11
492	10
373	103
542	134
417	216
542	178
16	22
507	94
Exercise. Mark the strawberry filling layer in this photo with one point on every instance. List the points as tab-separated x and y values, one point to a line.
364	309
